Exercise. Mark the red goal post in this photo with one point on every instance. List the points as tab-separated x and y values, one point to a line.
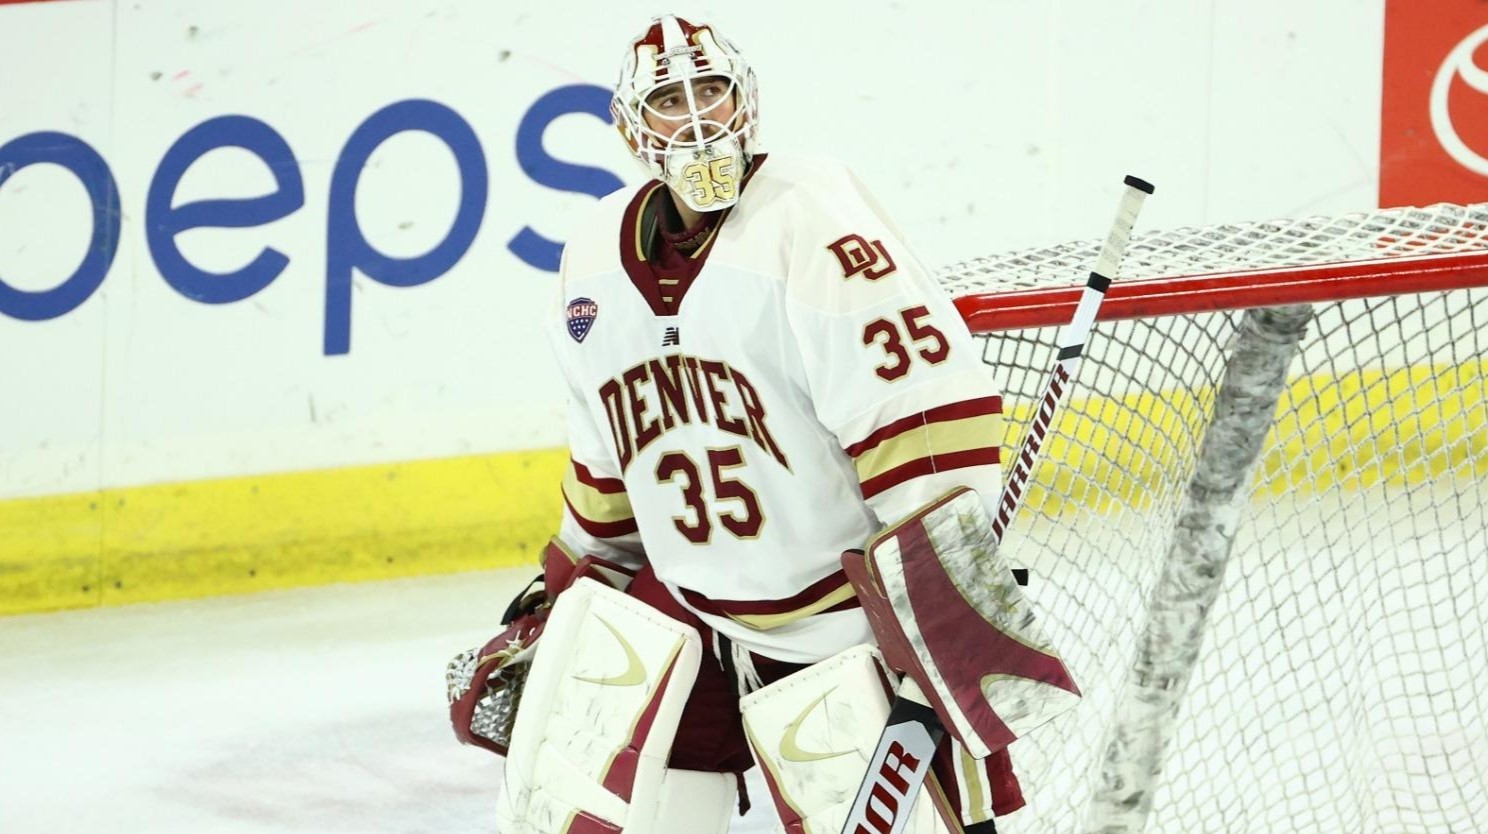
1258	533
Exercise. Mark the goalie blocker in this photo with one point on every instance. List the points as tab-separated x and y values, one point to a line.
933	586
948	612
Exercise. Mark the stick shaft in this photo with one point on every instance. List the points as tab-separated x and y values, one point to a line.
914	730
1071	346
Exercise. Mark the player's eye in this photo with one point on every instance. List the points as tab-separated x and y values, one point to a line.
664	99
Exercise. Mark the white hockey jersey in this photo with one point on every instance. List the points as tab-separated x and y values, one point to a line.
740	424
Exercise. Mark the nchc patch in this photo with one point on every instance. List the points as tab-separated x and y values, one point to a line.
581	315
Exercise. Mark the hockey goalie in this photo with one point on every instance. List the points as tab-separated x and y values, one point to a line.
761	377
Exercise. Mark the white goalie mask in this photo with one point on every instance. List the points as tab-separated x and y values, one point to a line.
687	105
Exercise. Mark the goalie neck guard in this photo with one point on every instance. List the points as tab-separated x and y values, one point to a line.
687	105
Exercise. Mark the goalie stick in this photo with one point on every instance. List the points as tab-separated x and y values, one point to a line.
913	731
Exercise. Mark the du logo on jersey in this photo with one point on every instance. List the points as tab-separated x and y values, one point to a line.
581	315
858	255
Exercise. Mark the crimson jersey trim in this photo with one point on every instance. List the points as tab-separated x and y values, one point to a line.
641	271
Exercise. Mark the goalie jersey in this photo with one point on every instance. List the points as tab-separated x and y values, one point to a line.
741	421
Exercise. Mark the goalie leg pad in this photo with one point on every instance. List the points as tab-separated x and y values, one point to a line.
813	733
693	801
946	610
599	712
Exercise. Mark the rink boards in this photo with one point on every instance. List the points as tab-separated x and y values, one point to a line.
281	275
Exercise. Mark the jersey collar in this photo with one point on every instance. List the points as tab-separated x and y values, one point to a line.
637	235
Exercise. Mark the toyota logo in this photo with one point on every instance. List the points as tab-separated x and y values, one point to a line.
1459	63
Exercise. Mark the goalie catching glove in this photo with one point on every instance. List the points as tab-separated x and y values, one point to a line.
485	684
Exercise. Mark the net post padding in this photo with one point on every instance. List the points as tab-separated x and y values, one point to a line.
1265	343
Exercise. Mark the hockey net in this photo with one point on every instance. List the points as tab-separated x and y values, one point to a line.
1259	534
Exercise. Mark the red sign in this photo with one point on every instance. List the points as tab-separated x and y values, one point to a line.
1434	114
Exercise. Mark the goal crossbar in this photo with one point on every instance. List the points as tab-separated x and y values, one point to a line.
1179	295
1235	266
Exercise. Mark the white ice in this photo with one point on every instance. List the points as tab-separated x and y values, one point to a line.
309	711
1340	691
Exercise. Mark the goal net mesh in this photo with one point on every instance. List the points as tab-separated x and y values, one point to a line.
1339	677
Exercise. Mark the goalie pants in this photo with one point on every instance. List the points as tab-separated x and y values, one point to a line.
711	737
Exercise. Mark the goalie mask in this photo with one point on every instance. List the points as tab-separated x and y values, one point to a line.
686	104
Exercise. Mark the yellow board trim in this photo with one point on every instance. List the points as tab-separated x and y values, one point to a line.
1398	427
239	535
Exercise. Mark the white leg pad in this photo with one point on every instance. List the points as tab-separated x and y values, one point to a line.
596	723
813	732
